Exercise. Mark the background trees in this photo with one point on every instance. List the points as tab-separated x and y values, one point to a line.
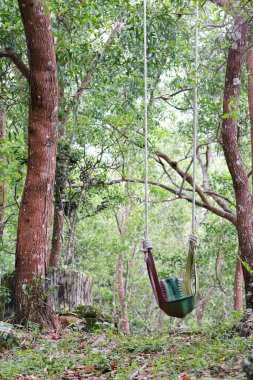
100	146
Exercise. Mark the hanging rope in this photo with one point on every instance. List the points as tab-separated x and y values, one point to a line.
176	297
195	121
147	245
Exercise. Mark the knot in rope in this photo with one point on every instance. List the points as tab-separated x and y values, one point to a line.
147	245
193	239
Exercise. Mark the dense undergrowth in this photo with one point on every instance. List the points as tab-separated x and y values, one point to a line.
213	352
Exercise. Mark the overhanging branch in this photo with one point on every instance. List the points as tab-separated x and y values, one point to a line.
9	53
219	212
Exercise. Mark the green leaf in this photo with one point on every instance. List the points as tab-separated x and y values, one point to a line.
246	265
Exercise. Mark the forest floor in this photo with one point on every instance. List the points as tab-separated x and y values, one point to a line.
213	353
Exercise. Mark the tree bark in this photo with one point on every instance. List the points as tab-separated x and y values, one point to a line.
60	184
231	150
238	283
32	250
69	289
57	237
122	298
250	97
3	184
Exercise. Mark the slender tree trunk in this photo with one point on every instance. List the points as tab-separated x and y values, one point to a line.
119	273
57	237
203	301
60	184
3	184
231	150
122	298
160	323
72	229
238	284
32	251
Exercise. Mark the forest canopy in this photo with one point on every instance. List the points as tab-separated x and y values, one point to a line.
72	152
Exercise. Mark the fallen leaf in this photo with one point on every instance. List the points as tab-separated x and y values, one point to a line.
186	377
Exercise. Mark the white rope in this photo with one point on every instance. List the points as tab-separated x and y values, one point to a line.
195	120
147	243
146	118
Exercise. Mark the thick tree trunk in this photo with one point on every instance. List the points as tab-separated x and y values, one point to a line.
250	97
3	184
238	283
69	289
231	150
32	251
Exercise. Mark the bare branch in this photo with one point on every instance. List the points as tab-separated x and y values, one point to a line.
182	174
222	213
167	97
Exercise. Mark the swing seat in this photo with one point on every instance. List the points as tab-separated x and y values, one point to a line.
173	295
178	304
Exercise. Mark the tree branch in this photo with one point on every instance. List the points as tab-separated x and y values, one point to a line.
182	174
226	215
221	3
188	178
167	97
9	53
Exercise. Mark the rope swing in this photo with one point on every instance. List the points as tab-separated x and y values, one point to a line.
176	297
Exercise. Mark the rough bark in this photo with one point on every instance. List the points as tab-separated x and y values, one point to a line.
250	96
32	253
238	284
69	289
57	236
60	183
121	291
3	184
55	256
231	149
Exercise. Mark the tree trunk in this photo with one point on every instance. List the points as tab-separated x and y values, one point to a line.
122	298
160	322
32	251
70	255
3	184
60	183
250	98
231	150
122	290
69	289
57	237
238	283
